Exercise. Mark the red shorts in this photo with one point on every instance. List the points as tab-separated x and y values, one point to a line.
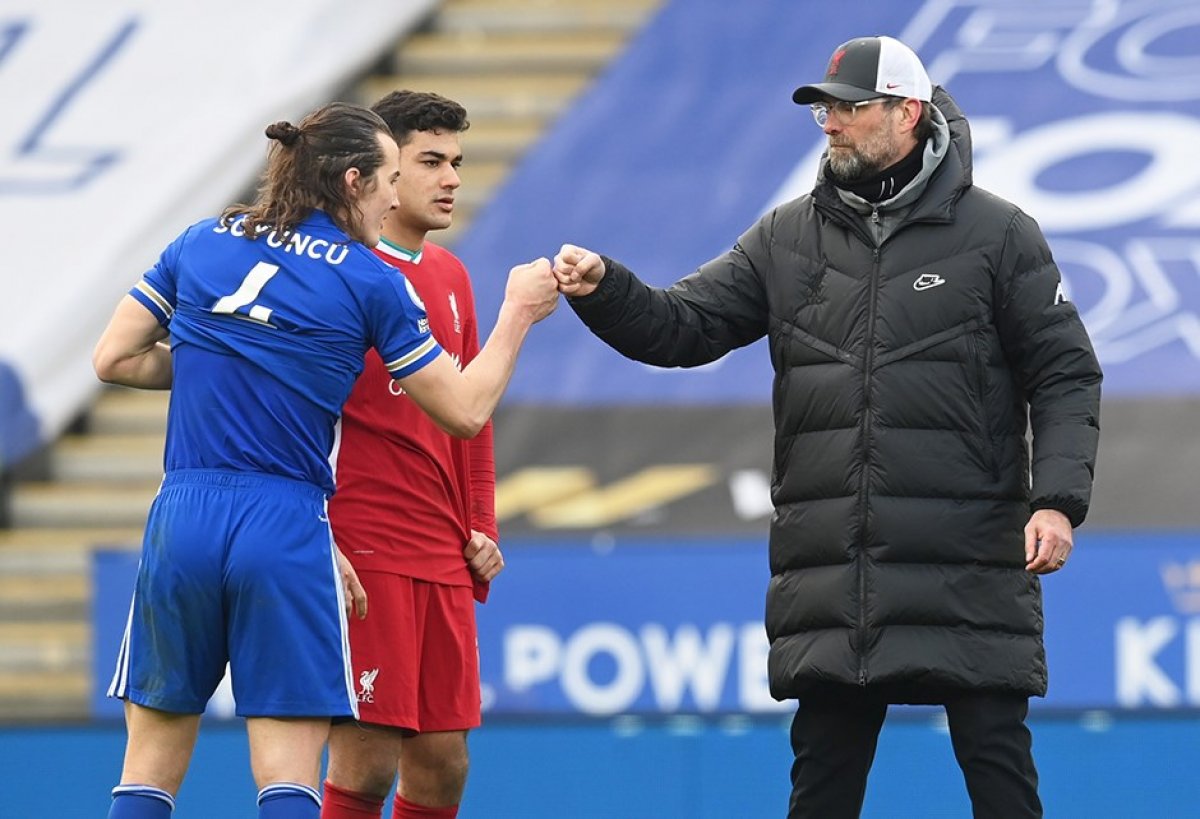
416	656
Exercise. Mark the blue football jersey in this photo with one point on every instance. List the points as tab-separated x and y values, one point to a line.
267	338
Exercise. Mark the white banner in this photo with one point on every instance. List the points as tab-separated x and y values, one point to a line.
123	122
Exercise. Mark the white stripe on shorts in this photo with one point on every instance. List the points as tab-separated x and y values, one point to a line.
347	666
120	681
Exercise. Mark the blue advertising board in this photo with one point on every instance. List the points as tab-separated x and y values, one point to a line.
1085	114
668	626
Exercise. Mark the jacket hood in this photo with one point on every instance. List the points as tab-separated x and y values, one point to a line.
960	130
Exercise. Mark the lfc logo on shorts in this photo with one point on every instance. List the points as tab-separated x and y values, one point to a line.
366	685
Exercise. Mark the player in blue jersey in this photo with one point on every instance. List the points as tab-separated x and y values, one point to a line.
269	310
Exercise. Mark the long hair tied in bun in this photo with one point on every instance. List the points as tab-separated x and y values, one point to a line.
283	131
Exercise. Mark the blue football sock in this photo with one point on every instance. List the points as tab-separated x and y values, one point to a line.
288	800
140	802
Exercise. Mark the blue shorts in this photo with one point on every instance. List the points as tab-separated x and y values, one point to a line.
238	568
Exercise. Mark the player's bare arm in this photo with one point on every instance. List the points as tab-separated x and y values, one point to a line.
462	402
130	351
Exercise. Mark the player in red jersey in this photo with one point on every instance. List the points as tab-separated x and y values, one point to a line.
415	513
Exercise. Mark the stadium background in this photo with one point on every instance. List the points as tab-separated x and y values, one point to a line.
622	651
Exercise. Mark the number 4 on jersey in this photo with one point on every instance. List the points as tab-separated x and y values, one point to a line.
247	292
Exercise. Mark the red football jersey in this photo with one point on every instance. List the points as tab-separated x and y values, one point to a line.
408	494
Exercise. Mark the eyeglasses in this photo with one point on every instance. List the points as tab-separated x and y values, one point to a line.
844	112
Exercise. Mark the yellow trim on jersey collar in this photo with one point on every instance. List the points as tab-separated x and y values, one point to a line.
402	253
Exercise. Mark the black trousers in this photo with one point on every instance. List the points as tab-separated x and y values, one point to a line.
835	732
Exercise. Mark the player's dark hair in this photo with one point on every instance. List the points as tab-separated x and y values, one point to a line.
407	111
306	167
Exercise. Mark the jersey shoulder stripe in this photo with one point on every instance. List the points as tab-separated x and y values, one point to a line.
408	363
154	301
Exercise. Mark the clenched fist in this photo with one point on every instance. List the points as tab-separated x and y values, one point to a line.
577	270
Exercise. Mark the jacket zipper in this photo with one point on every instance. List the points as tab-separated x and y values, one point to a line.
987	447
868	363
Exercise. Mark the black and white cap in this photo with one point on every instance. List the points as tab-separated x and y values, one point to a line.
869	67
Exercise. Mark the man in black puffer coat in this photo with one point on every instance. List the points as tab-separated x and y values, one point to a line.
915	322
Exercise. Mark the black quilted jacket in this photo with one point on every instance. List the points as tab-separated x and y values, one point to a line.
904	375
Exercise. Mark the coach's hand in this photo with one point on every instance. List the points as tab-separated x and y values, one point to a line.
578	270
356	595
1048	541
483	557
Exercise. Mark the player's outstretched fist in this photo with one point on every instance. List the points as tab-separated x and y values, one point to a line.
577	270
532	288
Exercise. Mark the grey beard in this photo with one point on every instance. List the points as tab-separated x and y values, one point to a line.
851	169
